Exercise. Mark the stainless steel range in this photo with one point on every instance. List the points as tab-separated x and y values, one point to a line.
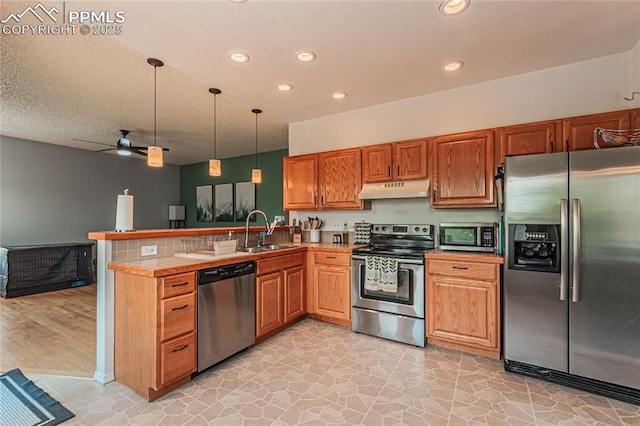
387	284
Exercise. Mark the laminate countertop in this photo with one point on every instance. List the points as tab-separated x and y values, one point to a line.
463	256
162	266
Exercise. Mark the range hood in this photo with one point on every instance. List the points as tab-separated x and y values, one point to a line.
399	189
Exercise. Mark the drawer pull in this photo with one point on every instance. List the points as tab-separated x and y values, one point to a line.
180	284
330	257
181	348
460	267
180	307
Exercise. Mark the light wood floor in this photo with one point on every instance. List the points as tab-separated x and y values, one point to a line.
50	333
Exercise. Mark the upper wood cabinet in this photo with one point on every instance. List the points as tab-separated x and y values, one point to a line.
300	179
325	181
534	138
577	132
395	161
463	170
340	179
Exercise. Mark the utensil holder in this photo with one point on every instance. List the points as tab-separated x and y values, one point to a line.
314	235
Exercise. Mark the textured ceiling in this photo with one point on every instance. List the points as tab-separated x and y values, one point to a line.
59	88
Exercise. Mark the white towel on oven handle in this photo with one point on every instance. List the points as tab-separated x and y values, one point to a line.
372	273
389	274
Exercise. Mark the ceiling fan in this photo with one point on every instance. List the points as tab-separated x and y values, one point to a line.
123	145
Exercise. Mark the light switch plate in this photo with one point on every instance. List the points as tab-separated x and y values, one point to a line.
149	250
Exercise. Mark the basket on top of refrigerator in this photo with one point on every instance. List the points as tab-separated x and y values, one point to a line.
625	137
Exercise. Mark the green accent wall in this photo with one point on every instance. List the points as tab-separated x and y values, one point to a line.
236	169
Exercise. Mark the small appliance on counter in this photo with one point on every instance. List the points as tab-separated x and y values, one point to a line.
362	233
469	236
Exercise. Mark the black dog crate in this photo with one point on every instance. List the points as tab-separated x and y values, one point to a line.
40	268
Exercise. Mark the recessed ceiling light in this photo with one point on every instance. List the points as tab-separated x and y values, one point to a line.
238	1
239	57
453	66
338	95
453	7
305	56
284	87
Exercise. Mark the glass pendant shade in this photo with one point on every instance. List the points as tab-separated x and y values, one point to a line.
256	176
215	168
154	156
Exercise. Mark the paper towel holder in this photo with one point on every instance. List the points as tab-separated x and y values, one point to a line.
124	213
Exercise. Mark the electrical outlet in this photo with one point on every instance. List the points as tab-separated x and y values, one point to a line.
149	250
352	226
337	226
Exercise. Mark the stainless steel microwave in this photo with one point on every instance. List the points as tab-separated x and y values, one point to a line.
468	236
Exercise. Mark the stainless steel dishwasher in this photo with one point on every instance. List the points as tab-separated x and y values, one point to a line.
226	312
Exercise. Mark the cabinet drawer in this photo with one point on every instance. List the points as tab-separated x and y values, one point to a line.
177	358
177	316
278	263
478	271
175	285
338	259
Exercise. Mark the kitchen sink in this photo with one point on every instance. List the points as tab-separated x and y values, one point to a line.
261	249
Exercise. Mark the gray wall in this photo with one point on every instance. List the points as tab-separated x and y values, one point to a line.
54	194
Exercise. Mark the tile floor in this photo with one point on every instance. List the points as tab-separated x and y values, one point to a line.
320	374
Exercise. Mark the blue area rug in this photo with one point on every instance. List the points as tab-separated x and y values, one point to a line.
23	403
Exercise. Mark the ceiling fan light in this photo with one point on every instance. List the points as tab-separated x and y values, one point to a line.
123	151
256	176
155	156
215	167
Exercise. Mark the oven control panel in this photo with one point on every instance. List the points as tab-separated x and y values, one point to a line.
415	229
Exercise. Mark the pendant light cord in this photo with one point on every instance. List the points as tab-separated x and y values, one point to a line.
256	140
155	103
215	116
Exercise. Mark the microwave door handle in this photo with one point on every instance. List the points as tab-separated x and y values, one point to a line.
564	248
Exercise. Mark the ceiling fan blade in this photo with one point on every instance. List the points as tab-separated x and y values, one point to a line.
97	143
145	148
137	151
107	149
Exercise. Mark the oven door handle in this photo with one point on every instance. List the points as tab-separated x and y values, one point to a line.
400	260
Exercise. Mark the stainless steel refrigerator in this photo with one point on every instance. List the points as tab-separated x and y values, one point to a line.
572	269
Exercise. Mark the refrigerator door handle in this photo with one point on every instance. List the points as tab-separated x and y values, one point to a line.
575	297
564	248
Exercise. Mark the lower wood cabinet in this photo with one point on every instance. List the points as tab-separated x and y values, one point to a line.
330	288
280	292
155	332
463	305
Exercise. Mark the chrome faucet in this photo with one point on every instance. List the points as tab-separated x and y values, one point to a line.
246	228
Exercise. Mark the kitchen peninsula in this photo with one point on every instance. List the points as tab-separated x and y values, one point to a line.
120	252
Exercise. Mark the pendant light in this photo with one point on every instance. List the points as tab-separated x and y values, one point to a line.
154	153
215	167
256	174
